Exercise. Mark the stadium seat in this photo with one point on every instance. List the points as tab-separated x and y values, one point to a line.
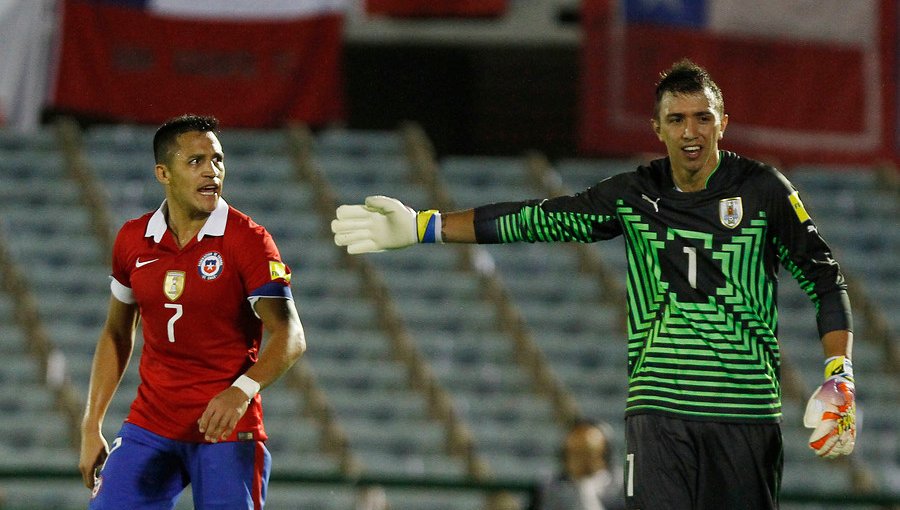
579	174
358	142
411	499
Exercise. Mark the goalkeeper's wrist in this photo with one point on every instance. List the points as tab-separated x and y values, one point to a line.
428	226
839	366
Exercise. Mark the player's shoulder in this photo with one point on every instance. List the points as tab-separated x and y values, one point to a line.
762	175
242	226
619	185
136	226
654	175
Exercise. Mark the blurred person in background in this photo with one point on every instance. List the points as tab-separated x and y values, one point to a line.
705	232
206	282
589	480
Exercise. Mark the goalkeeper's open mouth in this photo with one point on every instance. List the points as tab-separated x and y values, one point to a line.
692	151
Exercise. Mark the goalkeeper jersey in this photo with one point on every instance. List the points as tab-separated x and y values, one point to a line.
702	279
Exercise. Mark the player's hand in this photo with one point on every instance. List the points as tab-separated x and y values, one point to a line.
831	411
94	450
383	223
222	414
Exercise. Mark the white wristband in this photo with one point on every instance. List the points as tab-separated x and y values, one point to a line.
247	385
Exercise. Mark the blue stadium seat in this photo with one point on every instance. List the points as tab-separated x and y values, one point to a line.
358	142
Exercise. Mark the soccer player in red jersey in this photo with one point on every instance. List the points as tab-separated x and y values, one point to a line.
205	282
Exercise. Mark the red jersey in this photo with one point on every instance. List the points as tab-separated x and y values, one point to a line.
200	330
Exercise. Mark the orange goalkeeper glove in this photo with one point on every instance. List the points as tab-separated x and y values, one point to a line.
831	411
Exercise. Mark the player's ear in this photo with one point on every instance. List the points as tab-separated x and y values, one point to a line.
654	124
722	128
162	173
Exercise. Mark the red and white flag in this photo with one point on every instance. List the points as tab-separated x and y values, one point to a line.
26	32
803	80
250	63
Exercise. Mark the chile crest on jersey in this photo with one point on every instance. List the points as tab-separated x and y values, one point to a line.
210	265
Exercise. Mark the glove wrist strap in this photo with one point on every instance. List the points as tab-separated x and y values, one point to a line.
428	226
839	366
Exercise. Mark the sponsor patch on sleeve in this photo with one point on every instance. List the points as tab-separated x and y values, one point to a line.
277	270
799	210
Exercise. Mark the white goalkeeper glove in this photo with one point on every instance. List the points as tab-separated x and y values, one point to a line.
383	223
831	411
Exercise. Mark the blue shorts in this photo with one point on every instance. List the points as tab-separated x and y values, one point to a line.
148	471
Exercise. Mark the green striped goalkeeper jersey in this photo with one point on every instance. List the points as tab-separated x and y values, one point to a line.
701	282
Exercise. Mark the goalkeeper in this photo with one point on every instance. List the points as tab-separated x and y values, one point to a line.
705	233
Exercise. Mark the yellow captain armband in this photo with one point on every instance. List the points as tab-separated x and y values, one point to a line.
799	210
428	226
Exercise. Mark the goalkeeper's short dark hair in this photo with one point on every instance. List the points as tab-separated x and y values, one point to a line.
686	77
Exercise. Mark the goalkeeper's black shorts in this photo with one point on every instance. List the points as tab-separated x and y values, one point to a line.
681	464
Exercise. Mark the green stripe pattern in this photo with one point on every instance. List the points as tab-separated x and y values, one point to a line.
714	359
533	224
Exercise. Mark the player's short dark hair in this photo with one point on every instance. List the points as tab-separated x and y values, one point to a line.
686	77
166	135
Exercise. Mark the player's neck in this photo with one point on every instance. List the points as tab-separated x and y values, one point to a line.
688	180
184	226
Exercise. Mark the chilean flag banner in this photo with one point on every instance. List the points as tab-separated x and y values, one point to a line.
437	8
250	63
809	81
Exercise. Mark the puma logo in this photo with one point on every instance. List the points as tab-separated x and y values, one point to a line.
654	202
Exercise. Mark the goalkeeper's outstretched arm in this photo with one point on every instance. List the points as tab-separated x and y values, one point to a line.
384	223
459	226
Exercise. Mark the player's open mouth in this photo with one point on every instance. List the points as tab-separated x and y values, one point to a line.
692	150
210	190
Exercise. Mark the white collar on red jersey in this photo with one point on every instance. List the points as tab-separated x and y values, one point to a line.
214	226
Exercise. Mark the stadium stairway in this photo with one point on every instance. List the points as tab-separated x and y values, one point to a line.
465	325
341	164
42	248
564	297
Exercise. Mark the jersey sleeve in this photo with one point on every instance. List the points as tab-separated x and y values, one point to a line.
802	251
264	274
120	279
584	217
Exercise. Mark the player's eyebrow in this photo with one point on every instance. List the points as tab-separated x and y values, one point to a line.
698	113
204	155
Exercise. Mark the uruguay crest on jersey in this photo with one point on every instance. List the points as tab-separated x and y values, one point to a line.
731	210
